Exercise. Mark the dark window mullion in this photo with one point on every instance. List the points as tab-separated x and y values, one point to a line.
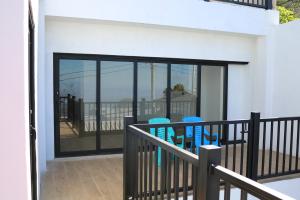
168	94
198	103
98	105
225	92
135	88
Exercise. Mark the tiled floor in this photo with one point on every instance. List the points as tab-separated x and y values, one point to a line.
100	177
85	178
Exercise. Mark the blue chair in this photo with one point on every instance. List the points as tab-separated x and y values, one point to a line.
161	133
198	132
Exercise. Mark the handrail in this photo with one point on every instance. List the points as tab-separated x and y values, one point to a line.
181	153
254	188
181	124
139	157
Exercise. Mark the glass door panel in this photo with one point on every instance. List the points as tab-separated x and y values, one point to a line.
116	101
152	84
183	91
77	105
212	80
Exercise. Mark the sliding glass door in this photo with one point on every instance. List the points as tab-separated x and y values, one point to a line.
183	91
151	91
94	93
116	94
212	93
77	105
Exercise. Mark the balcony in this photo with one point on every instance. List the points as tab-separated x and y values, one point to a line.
261	149
266	4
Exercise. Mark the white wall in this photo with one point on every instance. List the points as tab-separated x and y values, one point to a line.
73	36
14	107
286	71
193	14
281	76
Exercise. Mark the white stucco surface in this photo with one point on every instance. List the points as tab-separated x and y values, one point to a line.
72	36
14	107
286	69
194	14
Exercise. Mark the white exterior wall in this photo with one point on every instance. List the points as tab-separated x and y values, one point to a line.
15	180
282	79
72	36
193	30
286	69
193	14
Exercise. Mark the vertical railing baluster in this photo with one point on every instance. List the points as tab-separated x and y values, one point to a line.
278	145
136	167
141	170
242	149
234	147
243	195
226	144
162	174
185	179
176	178
193	140
297	144
156	173
271	148
284	146
219	134
194	182
210	133
227	189
291	144
263	150
202	134
145	169
169	174
150	170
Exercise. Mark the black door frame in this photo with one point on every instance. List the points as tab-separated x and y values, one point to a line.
135	60
32	130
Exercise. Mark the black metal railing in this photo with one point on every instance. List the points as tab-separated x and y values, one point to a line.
256	148
279	146
232	134
82	115
266	4
156	169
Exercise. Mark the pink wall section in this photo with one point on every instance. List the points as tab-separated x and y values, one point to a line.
14	140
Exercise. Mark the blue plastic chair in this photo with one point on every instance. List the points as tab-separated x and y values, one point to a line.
161	133
198	132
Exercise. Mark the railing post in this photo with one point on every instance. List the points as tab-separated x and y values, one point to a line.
142	108
73	110
253	146
128	155
81	117
208	183
69	106
269	4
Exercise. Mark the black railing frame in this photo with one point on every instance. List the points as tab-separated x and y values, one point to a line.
253	146
209	171
268	4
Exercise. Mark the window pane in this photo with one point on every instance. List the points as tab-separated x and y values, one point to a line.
183	91
152	84
212	93
77	105
116	101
